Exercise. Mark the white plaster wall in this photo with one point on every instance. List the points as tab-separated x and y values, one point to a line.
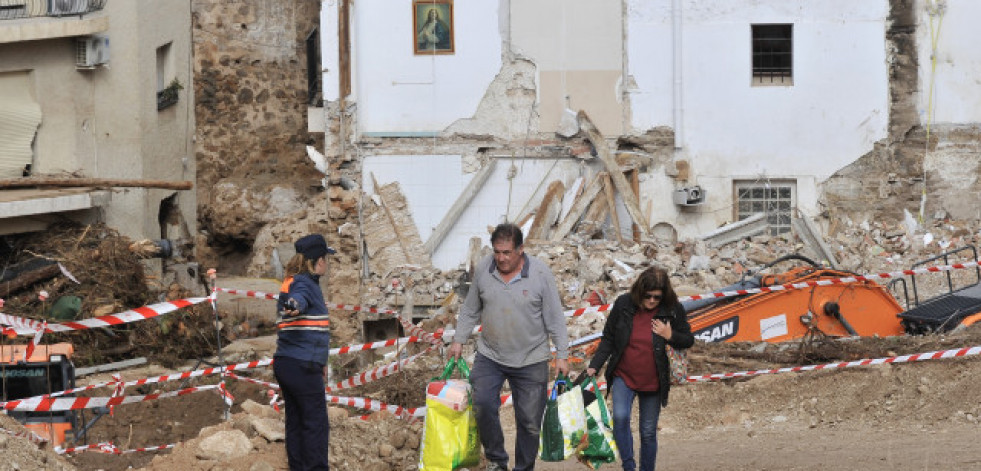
835	110
432	183
956	79
104	122
399	92
328	50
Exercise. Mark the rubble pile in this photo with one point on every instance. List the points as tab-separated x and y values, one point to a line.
253	440
20	453
73	272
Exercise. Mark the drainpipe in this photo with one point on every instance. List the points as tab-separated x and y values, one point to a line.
679	135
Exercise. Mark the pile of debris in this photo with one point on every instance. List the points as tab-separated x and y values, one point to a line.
20	453
78	272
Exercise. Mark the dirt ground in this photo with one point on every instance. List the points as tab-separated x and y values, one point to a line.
919	415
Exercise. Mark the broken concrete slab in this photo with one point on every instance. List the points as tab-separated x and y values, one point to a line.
753	225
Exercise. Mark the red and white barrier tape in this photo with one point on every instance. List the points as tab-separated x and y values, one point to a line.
375	374
373	345
51	404
168	377
102	447
252	380
721	294
19	325
375	405
110	449
937	355
248	293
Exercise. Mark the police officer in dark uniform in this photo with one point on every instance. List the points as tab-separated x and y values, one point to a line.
300	362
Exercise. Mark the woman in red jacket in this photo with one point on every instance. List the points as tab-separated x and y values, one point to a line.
640	324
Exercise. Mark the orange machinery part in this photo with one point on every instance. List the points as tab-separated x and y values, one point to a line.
43	353
777	316
53	431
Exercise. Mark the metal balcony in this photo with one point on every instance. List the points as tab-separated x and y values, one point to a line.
22	9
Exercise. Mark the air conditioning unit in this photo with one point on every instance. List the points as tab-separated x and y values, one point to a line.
91	51
67	7
689	196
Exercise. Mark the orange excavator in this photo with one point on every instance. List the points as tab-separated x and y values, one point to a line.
862	308
49	369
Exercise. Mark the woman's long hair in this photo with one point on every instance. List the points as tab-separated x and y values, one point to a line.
653	278
299	264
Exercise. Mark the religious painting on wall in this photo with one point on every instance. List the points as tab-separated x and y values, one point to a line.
433	26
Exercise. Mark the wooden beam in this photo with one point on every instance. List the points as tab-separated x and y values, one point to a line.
27	279
627	193
594	219
579	207
548	212
391	219
461	203
635	185
94	182
612	203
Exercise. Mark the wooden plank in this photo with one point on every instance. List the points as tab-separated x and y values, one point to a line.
391	219
627	193
548	211
635	185
344	49
579	207
27	279
461	203
611	202
94	182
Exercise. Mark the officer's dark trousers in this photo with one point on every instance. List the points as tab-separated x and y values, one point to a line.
307	429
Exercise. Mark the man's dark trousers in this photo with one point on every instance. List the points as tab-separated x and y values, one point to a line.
528	390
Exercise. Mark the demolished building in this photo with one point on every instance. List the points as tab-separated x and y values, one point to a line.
724	109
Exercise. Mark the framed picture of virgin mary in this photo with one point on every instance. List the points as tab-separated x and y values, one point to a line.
433	30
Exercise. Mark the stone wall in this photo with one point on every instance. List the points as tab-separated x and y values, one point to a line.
250	85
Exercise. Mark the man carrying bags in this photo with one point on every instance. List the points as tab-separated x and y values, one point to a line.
514	297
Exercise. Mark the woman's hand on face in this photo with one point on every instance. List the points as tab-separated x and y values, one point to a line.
661	328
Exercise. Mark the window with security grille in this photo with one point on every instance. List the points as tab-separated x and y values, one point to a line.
776	199
773	54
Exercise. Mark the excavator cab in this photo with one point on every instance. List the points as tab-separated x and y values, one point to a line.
959	307
49	369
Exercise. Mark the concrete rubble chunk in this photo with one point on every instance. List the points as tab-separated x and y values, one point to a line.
273	430
224	445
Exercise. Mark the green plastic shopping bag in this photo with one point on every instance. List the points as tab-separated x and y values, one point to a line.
449	437
564	423
600	446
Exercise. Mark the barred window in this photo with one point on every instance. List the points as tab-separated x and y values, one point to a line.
773	54
777	199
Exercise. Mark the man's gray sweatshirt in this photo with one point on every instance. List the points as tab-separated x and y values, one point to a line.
518	317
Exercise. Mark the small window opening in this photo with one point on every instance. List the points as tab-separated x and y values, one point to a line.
773	54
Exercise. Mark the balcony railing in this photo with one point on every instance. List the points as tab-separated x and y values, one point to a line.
20	9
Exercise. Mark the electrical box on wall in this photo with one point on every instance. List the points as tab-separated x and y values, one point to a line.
689	196
91	51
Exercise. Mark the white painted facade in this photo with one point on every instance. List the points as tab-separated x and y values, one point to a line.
729	129
955	76
635	65
401	93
